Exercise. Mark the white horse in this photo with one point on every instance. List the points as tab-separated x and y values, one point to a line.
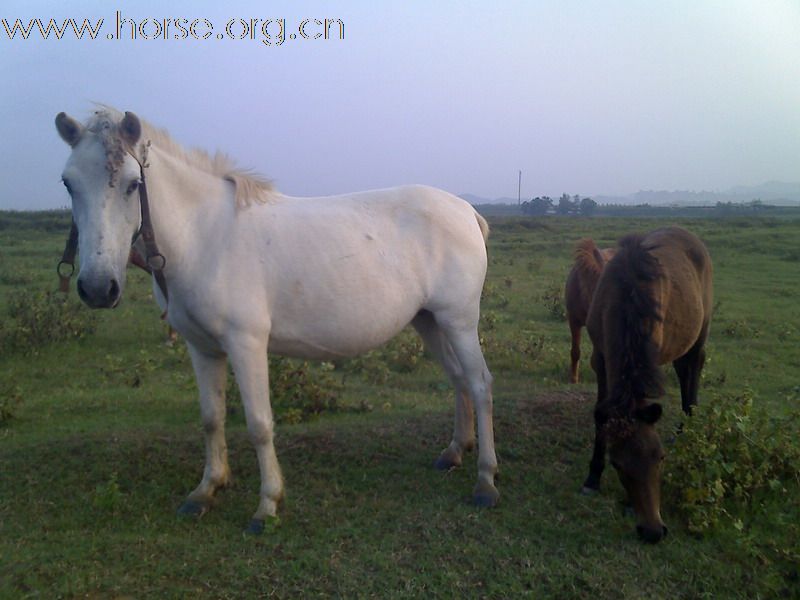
249	269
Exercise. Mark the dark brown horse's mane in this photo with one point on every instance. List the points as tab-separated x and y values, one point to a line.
632	271
586	252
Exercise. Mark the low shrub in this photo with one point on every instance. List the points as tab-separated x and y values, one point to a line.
299	390
731	460
403	354
553	298
10	400
38	318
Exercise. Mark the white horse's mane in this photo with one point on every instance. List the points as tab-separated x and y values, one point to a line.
250	186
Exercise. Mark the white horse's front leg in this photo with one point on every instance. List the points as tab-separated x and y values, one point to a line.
211	373
250	365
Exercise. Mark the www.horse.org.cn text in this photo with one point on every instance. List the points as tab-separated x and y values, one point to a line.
270	32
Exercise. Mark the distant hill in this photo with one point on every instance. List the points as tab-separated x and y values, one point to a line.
473	199
771	192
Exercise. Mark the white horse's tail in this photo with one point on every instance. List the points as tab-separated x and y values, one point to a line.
483	225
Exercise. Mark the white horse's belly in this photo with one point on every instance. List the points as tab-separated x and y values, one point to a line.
320	348
340	331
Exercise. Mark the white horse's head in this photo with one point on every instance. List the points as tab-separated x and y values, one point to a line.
102	179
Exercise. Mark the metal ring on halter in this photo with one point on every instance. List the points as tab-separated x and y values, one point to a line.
159	264
71	266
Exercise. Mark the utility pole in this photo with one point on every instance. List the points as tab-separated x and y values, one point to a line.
519	189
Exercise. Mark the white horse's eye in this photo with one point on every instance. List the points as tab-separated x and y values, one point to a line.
132	187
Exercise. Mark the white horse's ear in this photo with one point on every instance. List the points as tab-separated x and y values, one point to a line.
130	128
68	128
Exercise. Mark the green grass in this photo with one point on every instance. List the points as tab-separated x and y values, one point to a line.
106	441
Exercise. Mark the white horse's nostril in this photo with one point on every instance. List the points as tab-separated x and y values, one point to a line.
113	292
99	296
82	292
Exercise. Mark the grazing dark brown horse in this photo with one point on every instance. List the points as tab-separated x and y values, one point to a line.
578	292
652	305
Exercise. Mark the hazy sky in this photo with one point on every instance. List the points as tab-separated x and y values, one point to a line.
601	97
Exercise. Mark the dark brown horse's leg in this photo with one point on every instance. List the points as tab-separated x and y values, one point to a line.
688	368
575	352
598	462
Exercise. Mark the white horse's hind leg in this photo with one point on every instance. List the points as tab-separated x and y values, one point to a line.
464	426
211	373
250	365
478	380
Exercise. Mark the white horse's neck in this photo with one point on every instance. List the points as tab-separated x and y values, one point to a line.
179	194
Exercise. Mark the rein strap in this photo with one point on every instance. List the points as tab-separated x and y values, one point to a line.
68	258
154	259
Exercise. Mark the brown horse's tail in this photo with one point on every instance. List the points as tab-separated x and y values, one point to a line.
633	270
588	257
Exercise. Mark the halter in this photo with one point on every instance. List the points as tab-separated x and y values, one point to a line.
154	260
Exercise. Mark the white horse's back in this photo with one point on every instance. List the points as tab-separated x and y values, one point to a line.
340	275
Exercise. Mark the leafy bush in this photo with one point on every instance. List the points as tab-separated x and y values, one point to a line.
730	459
10	399
488	321
15	276
128	370
37	318
108	496
299	390
404	354
741	329
553	298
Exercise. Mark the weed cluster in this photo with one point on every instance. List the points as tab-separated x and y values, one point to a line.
37	318
108	496
553	298
10	399
403	354
299	390
729	461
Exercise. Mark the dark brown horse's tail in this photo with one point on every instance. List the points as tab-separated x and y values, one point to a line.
588	256
634	269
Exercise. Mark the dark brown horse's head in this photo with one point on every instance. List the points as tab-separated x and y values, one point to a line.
636	453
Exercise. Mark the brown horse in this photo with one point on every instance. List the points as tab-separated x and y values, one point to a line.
652	305
578	292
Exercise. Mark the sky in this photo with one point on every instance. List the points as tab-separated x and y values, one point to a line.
594	98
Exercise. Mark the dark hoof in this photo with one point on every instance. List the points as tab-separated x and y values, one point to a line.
192	509
445	463
485	496
651	536
259	526
255	527
589	491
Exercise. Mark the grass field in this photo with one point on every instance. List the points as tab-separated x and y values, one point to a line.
101	440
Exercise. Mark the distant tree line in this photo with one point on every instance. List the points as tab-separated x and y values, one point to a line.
566	205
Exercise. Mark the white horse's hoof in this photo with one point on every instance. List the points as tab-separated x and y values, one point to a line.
485	496
258	526
193	509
